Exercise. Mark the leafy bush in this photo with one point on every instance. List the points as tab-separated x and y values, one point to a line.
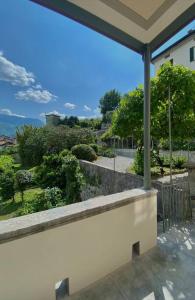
74	179
178	161
106	152
64	152
62	172
49	198
138	165
83	151
95	147
50	172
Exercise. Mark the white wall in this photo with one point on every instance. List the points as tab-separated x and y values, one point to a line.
83	251
180	55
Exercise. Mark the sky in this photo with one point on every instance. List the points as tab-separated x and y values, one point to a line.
49	63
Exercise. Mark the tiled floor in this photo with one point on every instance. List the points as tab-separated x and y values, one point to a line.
165	272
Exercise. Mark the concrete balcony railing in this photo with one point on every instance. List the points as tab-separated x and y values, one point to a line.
75	245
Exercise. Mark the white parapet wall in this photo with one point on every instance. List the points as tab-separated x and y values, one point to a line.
82	242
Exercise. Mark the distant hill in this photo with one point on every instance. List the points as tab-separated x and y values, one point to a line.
8	124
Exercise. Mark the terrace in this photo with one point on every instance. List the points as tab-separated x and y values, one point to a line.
76	245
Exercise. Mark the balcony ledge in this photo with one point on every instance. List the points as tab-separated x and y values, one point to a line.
37	222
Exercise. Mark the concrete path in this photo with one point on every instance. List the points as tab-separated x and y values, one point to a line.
166	272
121	163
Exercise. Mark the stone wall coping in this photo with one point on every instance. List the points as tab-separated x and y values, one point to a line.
20	227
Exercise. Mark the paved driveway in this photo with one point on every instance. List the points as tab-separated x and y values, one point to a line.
121	163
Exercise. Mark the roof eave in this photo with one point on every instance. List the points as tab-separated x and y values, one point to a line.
82	16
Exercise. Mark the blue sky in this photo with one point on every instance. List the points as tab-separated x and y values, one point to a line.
51	63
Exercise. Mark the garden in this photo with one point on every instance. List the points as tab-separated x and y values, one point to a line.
43	171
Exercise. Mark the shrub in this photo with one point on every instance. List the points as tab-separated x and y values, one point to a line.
50	172
106	152
83	151
64	152
74	179
95	147
178	161
138	165
62	172
49	198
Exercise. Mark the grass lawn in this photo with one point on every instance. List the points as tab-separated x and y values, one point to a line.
8	209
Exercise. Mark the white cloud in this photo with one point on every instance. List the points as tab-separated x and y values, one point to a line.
55	112
14	74
38	86
70	105
8	112
87	108
35	94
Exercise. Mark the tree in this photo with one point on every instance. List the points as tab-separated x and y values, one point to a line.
31	145
22	179
70	121
6	162
94	124
7	190
109	101
34	143
176	81
128	118
181	83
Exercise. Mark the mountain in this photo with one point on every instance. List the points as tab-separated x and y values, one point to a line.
8	124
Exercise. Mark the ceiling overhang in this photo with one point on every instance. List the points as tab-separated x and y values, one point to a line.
131	23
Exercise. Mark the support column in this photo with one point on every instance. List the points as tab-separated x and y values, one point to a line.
147	141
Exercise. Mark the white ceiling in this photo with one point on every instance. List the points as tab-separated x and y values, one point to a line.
142	19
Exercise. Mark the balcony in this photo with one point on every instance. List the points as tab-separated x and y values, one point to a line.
74	246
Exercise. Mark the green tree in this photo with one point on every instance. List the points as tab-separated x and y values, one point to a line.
34	143
128	118
7	190
109	101
176	81
70	121
6	162
181	82
23	178
31	145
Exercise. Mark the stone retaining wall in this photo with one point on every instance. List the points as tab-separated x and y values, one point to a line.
104	181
